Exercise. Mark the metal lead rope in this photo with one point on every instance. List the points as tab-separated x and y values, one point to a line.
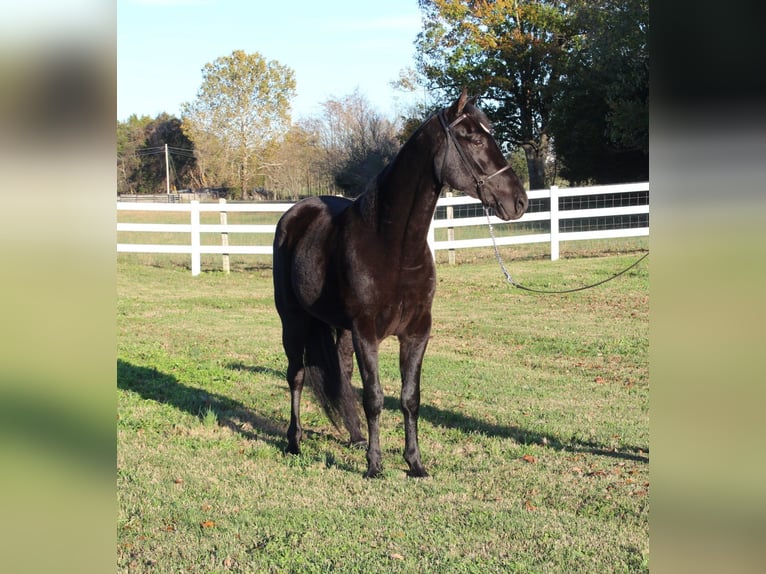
519	286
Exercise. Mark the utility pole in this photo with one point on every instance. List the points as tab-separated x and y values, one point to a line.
167	169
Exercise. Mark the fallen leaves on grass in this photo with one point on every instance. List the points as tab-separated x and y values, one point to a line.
596	472
207	523
529	458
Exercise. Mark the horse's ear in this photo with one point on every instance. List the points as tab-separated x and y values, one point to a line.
473	99
457	108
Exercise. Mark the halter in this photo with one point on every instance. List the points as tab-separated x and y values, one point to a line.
466	159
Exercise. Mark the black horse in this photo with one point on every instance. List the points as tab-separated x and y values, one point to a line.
348	274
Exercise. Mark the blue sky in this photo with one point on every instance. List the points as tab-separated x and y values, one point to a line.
334	47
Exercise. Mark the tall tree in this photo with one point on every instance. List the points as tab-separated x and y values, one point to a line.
241	106
511	52
600	123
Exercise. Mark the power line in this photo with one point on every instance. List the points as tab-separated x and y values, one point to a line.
150	150
181	151
169	164
187	152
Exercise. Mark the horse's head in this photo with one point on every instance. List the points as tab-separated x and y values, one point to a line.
473	163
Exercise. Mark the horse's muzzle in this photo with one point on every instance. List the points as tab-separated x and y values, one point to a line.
512	208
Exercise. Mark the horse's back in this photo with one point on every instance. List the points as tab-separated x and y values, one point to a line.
310	215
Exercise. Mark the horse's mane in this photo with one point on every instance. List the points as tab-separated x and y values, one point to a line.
368	200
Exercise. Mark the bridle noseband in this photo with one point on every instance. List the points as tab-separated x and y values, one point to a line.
468	162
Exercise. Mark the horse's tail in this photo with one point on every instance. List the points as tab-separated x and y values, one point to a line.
323	372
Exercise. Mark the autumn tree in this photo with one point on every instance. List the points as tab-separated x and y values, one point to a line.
565	77
242	105
296	165
511	53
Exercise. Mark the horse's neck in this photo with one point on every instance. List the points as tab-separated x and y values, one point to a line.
403	201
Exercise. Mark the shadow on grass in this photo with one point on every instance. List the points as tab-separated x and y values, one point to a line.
154	385
452	419
257	369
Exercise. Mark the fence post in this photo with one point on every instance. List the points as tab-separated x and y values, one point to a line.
554	223
224	238
195	238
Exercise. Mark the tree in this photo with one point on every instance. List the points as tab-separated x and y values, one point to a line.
166	130
600	122
296	165
141	154
242	105
570	76
130	138
511	52
357	140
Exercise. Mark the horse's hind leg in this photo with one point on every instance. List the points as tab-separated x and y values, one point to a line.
295	431
348	399
294	341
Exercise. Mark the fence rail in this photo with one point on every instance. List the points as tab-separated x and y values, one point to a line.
555	214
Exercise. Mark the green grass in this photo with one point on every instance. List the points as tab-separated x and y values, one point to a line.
534	427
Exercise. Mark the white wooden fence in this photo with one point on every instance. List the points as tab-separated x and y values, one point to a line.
555	215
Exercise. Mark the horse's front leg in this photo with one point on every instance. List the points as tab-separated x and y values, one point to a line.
411	352
366	348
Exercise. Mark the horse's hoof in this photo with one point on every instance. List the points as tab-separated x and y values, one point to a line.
293	449
418	472
374	473
359	444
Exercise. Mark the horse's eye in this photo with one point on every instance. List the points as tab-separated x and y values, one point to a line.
477	141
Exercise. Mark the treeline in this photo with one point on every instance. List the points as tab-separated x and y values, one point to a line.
565	84
337	151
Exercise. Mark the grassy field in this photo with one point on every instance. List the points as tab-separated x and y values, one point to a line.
534	427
